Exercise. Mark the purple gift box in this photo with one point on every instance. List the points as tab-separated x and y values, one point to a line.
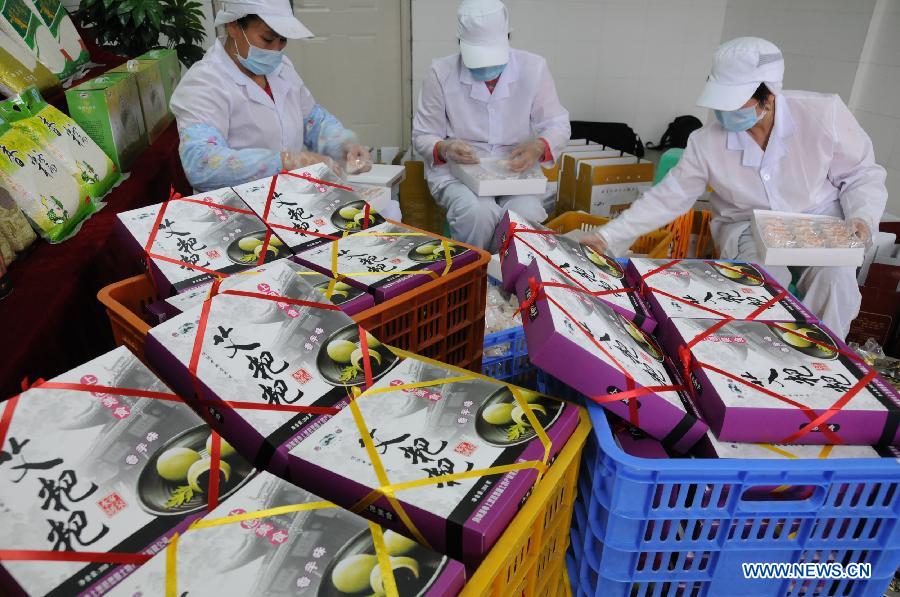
744	373
367	260
351	300
299	552
563	338
265	353
635	442
196	232
450	426
100	472
629	305
694	288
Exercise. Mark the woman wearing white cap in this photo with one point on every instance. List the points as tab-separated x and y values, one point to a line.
486	100
793	151
244	113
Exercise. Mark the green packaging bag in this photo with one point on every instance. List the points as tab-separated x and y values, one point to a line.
20	20
108	109
169	69
57	20
154	106
59	134
20	69
41	186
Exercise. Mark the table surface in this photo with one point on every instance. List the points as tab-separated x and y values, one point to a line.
53	321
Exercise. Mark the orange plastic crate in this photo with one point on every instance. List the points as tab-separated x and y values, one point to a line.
442	319
656	245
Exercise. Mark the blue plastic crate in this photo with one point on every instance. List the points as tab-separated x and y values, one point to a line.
662	528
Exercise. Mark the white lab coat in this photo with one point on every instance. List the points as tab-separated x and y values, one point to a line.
214	92
452	104
818	160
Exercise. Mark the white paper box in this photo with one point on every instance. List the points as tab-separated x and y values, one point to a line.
491	178
380	175
605	196
806	255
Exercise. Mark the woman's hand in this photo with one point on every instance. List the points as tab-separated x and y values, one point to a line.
595	241
292	160
457	150
861	231
358	158
526	155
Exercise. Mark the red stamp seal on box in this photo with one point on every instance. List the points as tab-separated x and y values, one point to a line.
465	448
112	504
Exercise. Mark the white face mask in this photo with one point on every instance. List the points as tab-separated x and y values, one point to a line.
258	60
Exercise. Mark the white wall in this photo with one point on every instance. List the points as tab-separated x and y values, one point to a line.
876	95
642	62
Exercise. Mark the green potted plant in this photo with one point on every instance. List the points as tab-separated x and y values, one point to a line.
132	27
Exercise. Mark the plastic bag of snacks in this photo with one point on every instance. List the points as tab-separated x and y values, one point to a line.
19	69
41	185
61	136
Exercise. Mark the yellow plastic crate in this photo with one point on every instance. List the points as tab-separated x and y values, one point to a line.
529	558
656	245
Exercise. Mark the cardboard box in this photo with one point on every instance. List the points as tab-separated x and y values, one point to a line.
605	184
781	358
169	69
224	241
431	431
154	103
574	146
306	552
697	289
108	109
568	170
350	300
805	240
554	258
84	472
492	177
306	213
567	350
261	352
380	176
367	259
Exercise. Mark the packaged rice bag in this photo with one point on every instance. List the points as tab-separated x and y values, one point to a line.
19	68
19	19
41	185
62	137
57	20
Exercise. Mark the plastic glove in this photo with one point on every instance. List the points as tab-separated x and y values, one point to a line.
526	155
291	160
457	150
358	158
861	231
595	241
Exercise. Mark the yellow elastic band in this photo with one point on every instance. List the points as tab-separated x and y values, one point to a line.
384	562
205	523
824	453
336	275
172	567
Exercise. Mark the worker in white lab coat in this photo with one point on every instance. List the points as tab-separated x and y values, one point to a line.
486	100
792	151
244	113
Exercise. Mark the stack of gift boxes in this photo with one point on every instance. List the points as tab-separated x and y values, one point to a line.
273	427
709	358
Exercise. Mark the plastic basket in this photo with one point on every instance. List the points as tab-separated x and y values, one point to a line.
442	319
682	526
655	245
528	559
506	356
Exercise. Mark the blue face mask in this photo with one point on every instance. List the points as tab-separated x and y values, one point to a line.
487	73
739	120
259	61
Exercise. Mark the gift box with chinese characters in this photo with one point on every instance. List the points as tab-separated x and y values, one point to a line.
701	289
434	424
583	342
635	442
265	354
313	549
767	381
100	472
195	239
566	260
388	260
312	211
351	300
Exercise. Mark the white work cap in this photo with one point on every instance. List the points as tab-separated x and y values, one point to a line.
483	33
739	66
277	14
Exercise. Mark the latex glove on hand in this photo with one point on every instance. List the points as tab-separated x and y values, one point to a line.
291	160
457	150
595	241
526	155
358	158
861	231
